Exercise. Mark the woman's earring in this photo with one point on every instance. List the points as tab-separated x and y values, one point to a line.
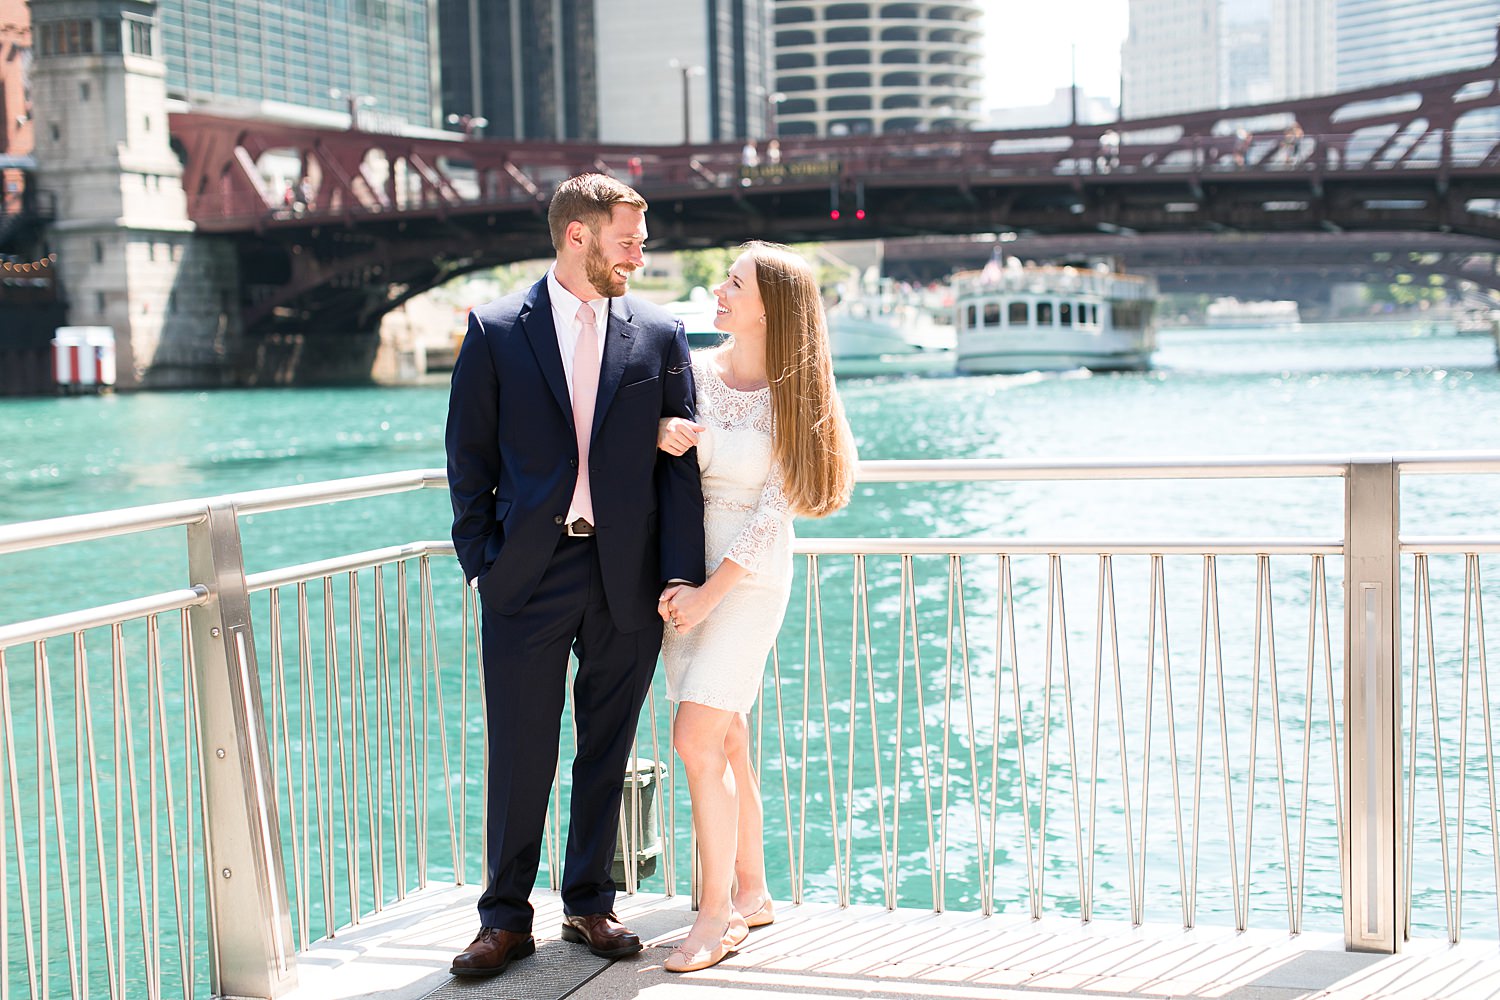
763	319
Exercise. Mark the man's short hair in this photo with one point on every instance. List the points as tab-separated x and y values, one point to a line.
589	199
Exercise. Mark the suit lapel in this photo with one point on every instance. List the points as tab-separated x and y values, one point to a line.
536	320
619	341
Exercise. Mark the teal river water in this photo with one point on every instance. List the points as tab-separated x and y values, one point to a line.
1213	394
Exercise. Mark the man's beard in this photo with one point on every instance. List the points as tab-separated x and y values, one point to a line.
601	275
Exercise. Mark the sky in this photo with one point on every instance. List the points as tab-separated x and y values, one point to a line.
1028	45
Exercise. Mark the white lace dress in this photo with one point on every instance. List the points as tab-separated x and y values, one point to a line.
745	518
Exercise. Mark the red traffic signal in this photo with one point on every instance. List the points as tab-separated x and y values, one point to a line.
833	214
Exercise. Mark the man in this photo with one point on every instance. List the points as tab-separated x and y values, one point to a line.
558	494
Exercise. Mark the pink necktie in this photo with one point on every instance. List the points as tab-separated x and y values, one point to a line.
585	388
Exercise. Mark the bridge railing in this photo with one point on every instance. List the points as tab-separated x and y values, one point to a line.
195	784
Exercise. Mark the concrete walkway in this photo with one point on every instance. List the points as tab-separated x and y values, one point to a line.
869	952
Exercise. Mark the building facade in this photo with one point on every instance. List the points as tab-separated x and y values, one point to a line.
1303	50
1382	41
870	68
1171	60
695	71
525	66
371	57
15	60
127	255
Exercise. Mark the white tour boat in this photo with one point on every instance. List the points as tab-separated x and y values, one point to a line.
893	331
1230	312
1028	318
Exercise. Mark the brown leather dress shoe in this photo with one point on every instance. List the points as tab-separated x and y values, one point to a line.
605	936
492	951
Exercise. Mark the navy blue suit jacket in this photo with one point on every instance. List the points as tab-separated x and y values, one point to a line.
513	454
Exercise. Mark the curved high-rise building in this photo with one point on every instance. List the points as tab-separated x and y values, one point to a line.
865	68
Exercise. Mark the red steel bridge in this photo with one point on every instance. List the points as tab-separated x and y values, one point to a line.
375	219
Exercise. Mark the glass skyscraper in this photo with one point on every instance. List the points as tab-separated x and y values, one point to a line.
312	53
1382	41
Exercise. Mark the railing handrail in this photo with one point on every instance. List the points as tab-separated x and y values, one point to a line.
104	524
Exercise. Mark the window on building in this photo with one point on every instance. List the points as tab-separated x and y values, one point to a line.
973	318
795	60
98	251
902	34
792	15
99	303
850	102
847	12
852	33
83	90
1019	313
1065	314
992	314
844	81
786	39
848	57
1044	314
110	36
140	37
55	130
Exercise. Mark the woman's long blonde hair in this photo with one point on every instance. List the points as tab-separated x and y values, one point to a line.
810	435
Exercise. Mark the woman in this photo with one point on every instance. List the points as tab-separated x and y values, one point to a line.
772	443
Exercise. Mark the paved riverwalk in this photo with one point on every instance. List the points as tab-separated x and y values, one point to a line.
869	953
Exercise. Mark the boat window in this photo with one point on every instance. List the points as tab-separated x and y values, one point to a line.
1065	314
1018	314
992	314
973	319
1044	314
1094	314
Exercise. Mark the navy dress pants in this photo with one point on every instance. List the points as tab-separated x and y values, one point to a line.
525	674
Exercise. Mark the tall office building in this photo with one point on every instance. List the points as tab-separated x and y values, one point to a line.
696	70
857	68
369	56
525	66
1171	59
608	71
15	58
1382	41
1303	52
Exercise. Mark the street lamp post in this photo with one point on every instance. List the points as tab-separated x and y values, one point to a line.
469	124
688	72
354	101
773	108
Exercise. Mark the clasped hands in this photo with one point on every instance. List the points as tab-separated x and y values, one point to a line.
683	606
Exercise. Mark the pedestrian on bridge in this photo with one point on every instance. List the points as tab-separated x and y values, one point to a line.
559	494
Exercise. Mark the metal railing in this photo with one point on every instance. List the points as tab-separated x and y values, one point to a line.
989	724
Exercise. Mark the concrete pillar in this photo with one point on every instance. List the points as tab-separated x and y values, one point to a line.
127	253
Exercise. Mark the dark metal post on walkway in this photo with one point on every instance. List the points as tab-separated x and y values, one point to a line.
1374	920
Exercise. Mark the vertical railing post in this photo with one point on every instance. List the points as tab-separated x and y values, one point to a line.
249	915
1373	917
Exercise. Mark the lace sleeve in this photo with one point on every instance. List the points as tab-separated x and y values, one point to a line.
766	524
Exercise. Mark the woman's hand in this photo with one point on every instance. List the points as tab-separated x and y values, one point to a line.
684	607
675	436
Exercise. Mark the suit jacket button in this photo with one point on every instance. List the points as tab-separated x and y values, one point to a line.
573	462
558	519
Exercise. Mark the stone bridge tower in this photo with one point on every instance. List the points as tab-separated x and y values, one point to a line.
128	257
